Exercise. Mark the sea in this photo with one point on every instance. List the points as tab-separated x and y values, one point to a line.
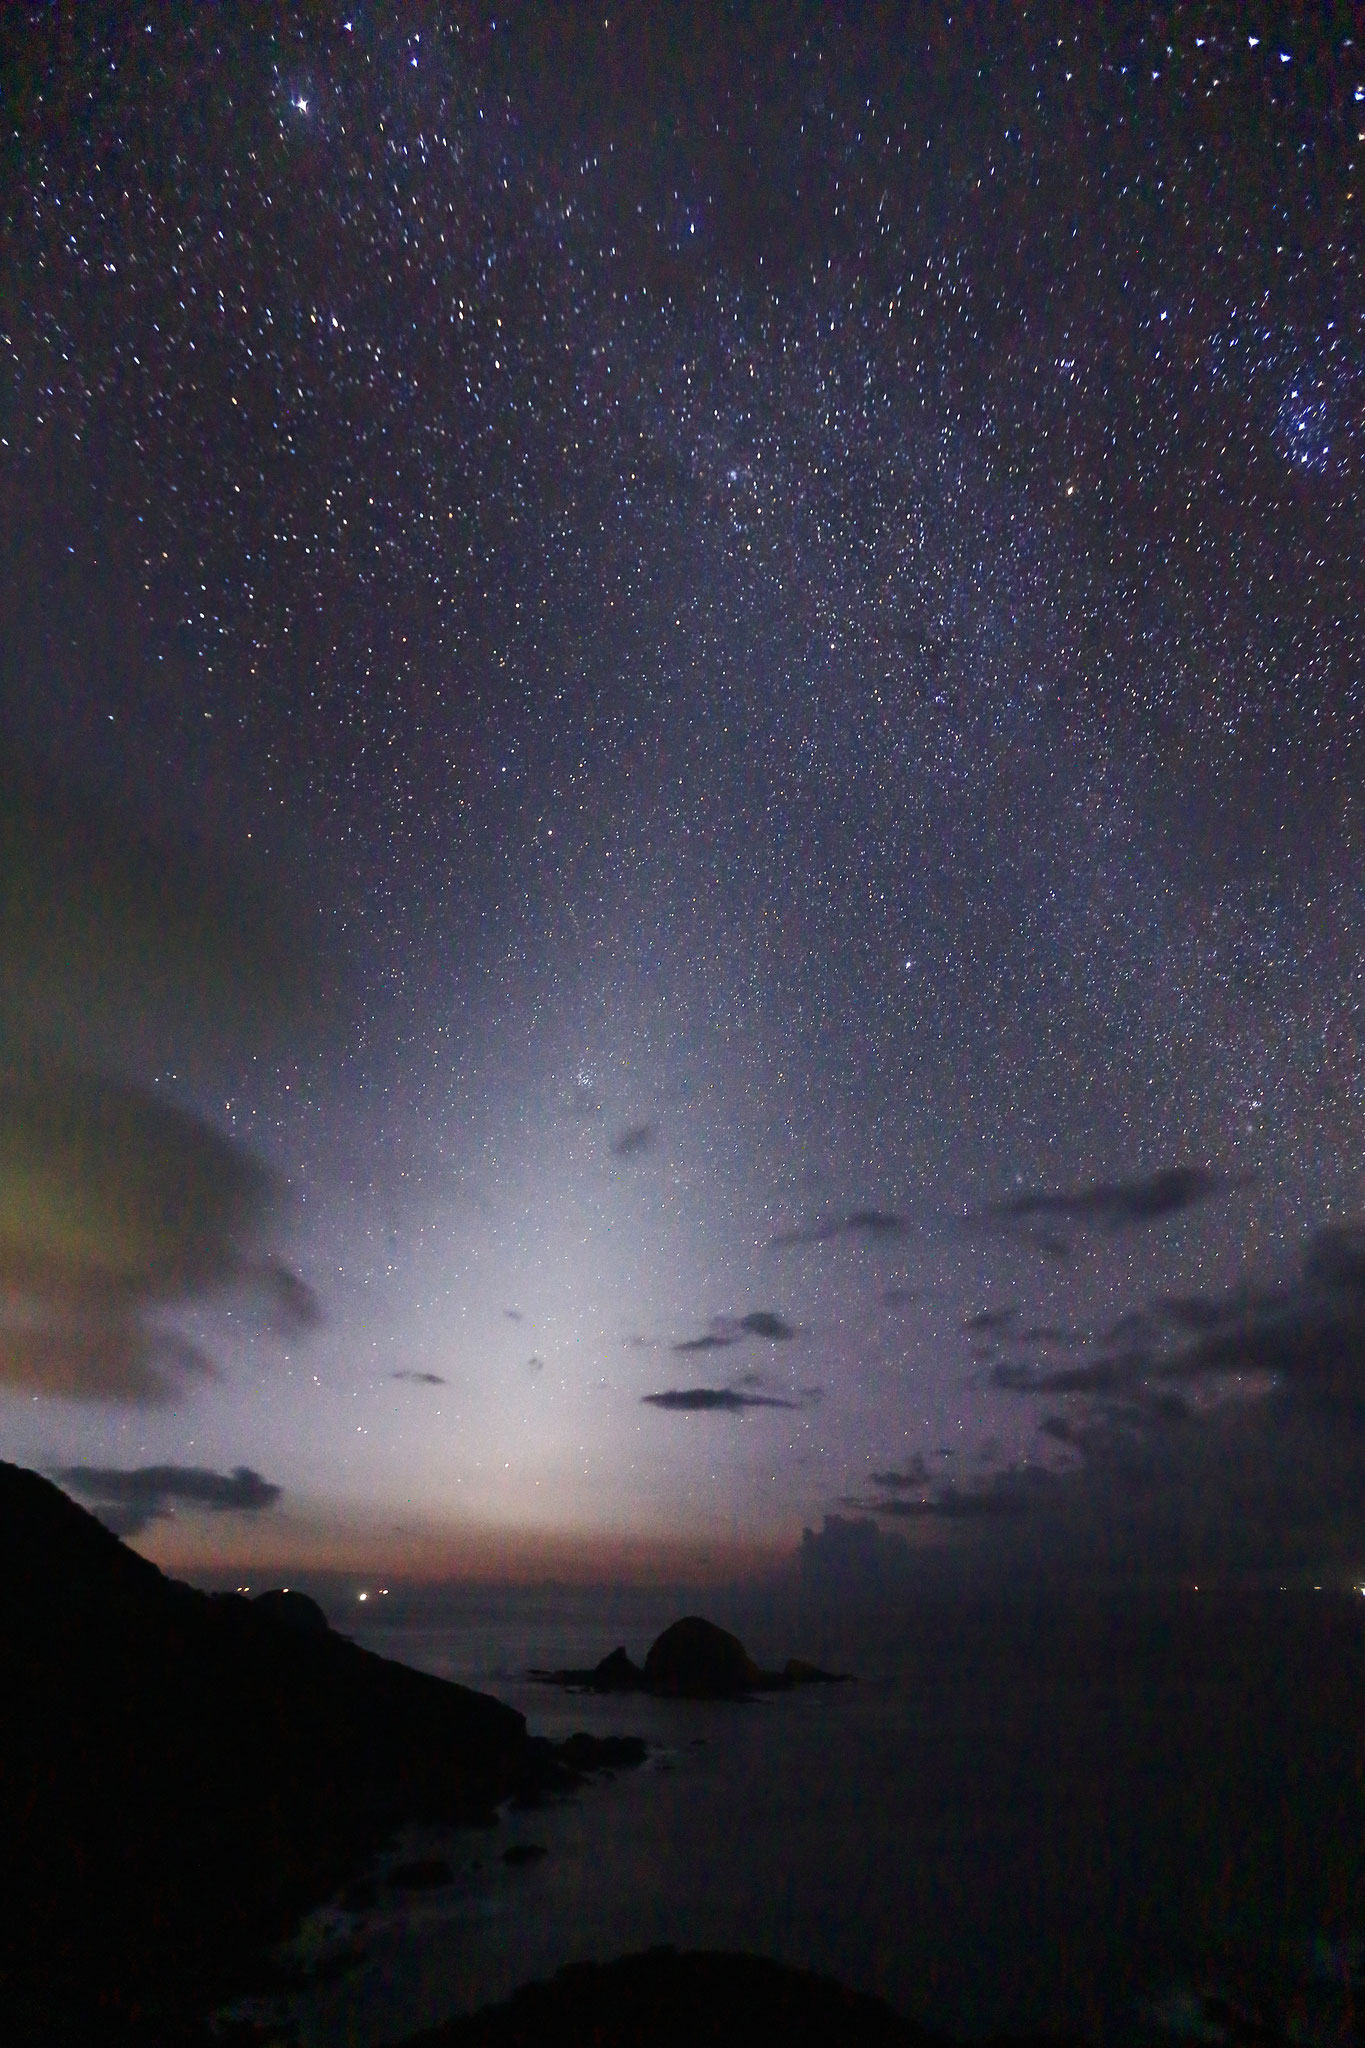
1129	1819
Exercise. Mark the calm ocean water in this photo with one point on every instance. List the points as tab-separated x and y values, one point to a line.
1089	1818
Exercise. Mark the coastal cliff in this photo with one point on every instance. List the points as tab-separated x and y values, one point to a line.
183	1774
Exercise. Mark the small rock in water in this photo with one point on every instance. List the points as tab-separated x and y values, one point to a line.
617	1673
602	1752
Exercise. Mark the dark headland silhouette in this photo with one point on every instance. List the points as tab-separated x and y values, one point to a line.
692	1659
182	1775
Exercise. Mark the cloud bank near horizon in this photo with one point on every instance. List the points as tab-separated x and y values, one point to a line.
127	1500
1224	1436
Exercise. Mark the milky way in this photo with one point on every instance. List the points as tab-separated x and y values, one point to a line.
786	596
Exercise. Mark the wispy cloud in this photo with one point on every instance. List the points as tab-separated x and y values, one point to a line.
764	1323
989	1321
1112	1205
636	1138
876	1225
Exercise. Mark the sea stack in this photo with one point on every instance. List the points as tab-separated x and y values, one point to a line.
694	1659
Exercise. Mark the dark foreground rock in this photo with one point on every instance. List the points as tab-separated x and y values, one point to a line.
706	1999
182	1775
692	1659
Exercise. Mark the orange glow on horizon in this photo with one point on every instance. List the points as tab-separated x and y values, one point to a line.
434	1552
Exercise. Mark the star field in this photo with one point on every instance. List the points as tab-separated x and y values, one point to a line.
788	594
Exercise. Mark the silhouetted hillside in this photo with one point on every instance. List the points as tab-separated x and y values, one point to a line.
184	1773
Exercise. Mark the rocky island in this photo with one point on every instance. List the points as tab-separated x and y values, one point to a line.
692	1659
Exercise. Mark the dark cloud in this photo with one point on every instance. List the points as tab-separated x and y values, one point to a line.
1307	1335
1193	1313
988	1505
701	1400
1336	1258
1133	1328
513	1315
851	1555
916	1474
535	1363
987	1321
875	1224
1312	1344
1229	1436
635	1138
908	1493
127	1500
765	1322
1045	1333
1102	1375
420	1379
898	1297
116	1206
1113	1205
726	1331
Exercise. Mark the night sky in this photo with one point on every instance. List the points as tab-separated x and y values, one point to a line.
684	802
